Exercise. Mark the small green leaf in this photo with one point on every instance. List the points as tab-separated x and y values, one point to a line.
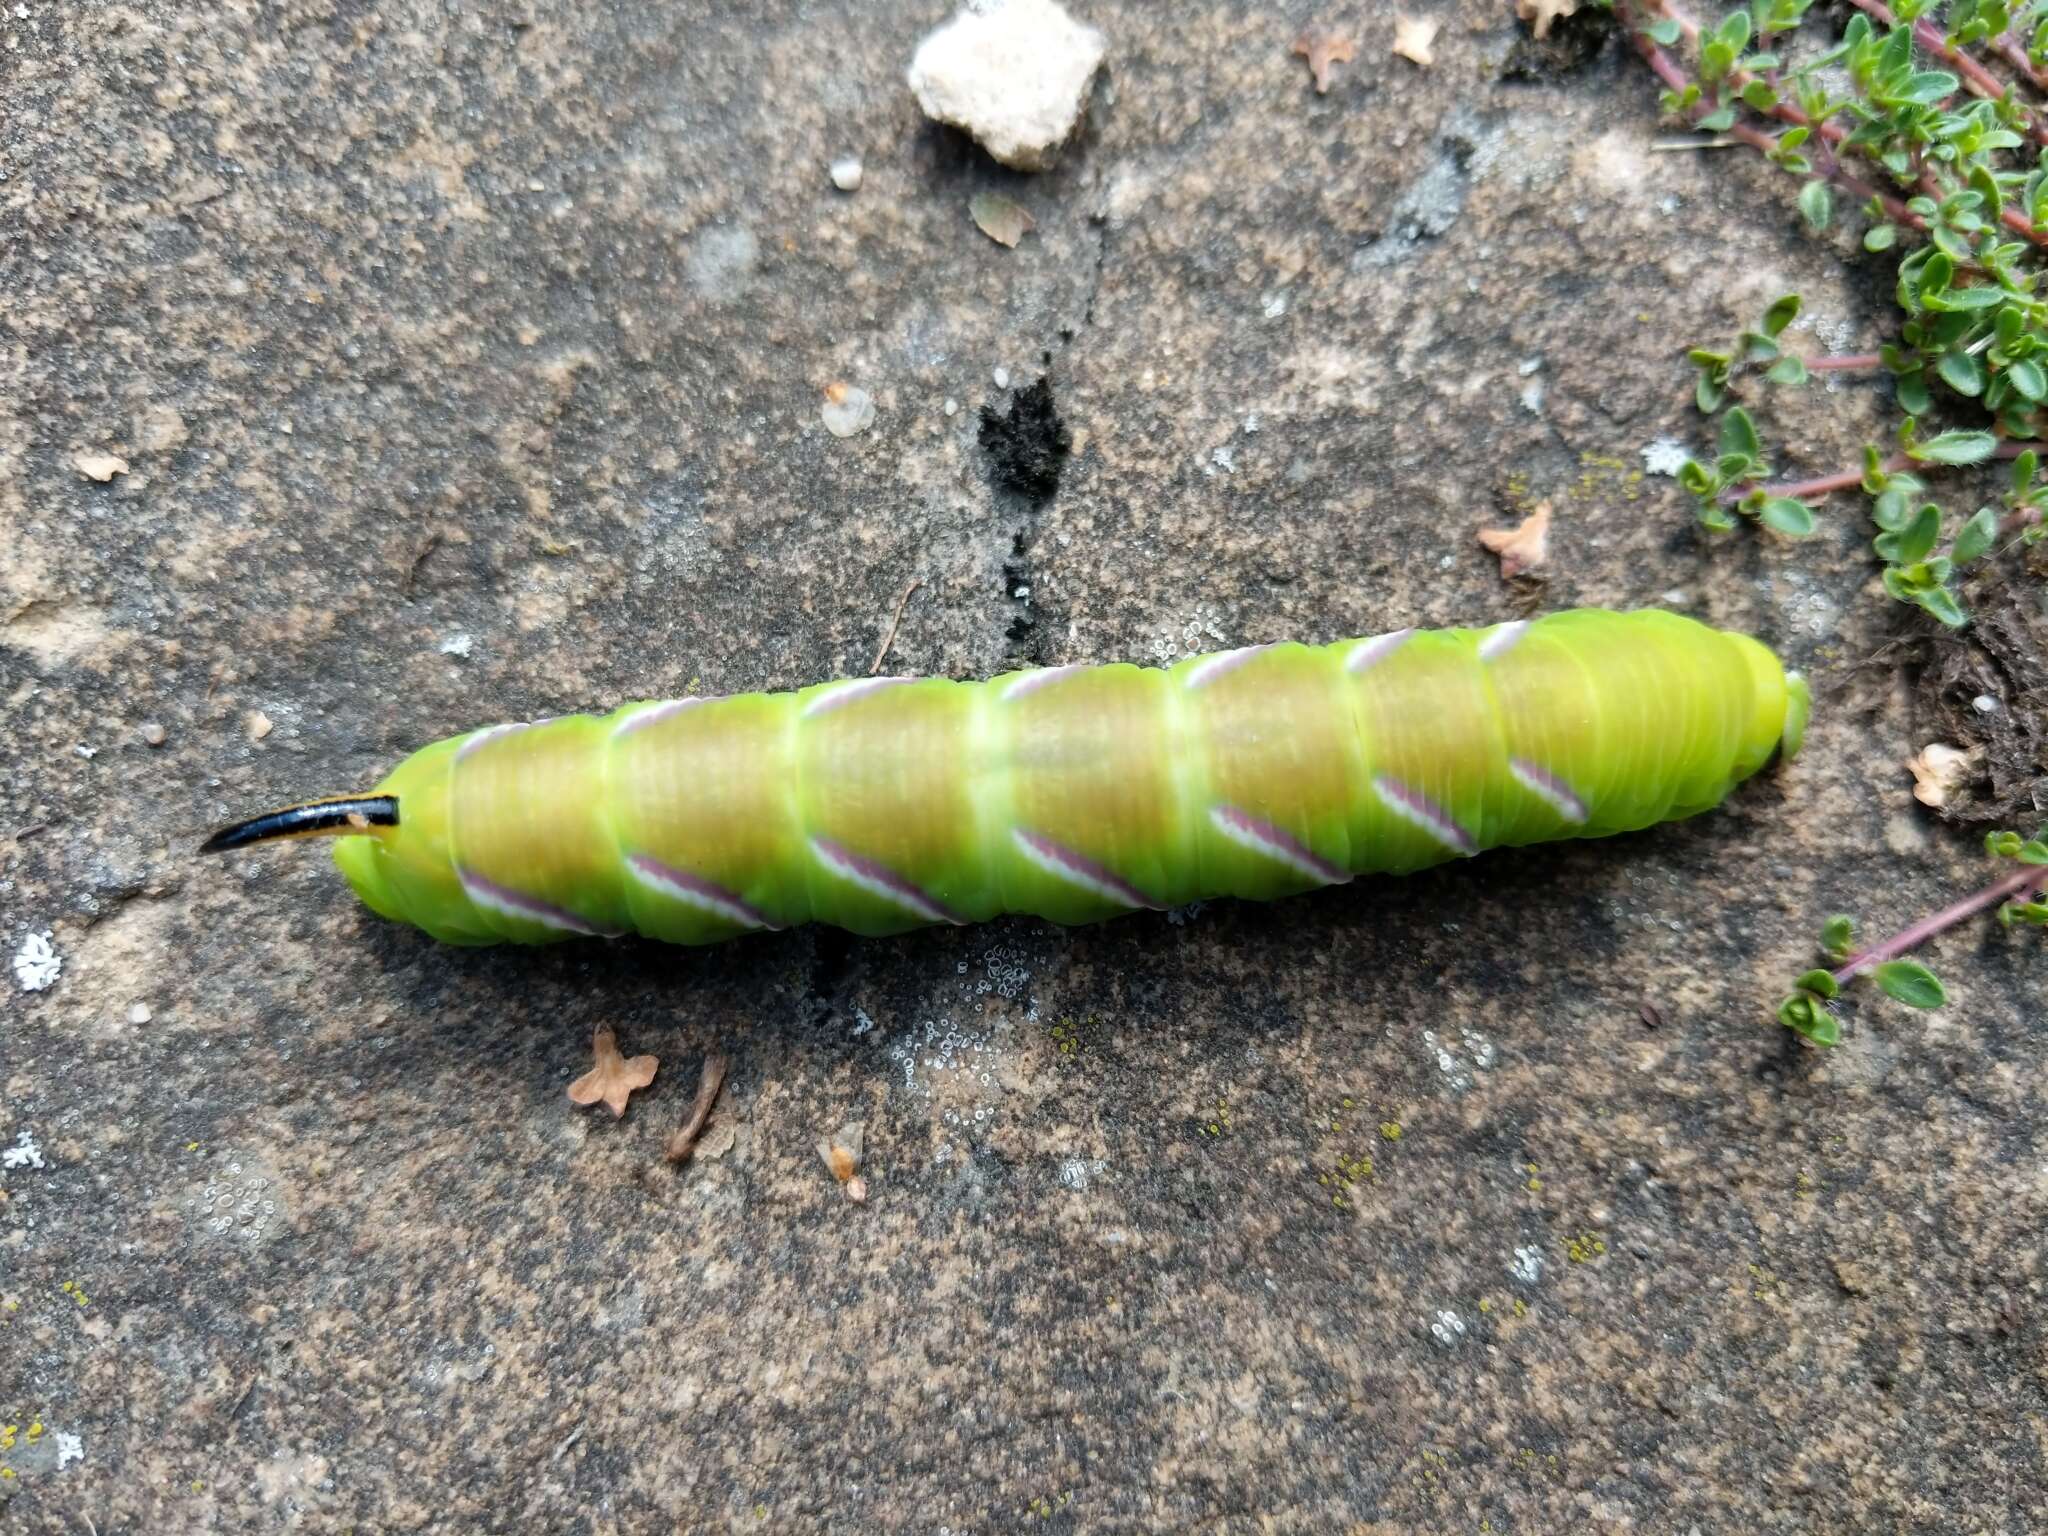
1709	393
1977	536
1805	1015
1913	542
1911	388
1786	370
1738	435
1783	312
1927	87
1783	515
1957	448
2028	378
1962	373
2002	845
2023	469
1942	603
1817	205
1665	32
1909	982
1719	122
1891	510
1820	983
1837	934
1880	237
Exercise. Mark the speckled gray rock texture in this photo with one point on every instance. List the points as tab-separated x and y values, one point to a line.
466	362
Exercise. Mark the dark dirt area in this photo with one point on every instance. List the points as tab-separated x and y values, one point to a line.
466	363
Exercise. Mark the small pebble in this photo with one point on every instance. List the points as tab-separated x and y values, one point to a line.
257	725
152	734
952	406
139	1014
846	173
1002	378
848	409
1984	704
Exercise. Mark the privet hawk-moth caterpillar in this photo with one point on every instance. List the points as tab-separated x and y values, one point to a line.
1071	792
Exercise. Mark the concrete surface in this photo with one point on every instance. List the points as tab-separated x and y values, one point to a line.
425	328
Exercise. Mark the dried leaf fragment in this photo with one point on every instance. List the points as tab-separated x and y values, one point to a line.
1544	12
1323	48
613	1080
99	466
1938	772
841	1153
1413	36
1524	547
257	724
1003	219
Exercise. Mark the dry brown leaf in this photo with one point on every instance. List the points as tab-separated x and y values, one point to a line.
841	1152
1938	772
1544	12
257	725
1323	48
1522	548
99	466
613	1080
1003	219
1413	36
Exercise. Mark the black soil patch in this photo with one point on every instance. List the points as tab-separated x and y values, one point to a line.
1572	43
2002	658
1027	446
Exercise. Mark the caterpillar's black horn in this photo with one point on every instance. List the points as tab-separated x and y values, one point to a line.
345	816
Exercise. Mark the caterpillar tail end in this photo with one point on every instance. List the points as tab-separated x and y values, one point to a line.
341	816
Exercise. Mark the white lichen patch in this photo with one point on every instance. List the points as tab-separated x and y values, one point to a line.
70	1448
37	965
25	1153
1665	456
1527	1265
1456	1060
1077	1173
1446	1327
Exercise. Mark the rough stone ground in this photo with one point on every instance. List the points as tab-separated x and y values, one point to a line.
416	321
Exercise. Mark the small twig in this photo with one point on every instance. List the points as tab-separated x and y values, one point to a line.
896	619
1842	480
2020	884
709	1081
2016	56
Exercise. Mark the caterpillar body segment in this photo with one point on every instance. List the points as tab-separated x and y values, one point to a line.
1074	793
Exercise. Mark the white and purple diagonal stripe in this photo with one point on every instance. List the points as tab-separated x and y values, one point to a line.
695	891
507	902
1248	831
1417	809
877	879
1076	869
1549	788
1502	638
839	695
477	740
1209	668
1031	682
1371	652
654	714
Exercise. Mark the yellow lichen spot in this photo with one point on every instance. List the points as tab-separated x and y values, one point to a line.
34	1429
1536	1184
197	1485
191	1146
1521	1307
1390	1130
1485	1304
1586	1247
7	1472
1347	1104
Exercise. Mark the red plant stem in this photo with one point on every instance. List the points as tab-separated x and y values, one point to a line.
2021	884
1842	480
1844	363
2016	56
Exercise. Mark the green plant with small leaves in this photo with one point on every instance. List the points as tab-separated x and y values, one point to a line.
1947	166
1807	1011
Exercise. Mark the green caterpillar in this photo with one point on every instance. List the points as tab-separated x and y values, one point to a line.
1073	793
